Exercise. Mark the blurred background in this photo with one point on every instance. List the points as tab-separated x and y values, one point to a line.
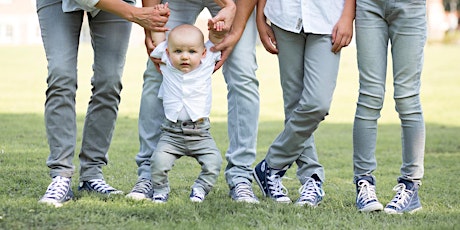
19	24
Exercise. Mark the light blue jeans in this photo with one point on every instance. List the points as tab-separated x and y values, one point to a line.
61	34
243	98
186	138
308	74
403	23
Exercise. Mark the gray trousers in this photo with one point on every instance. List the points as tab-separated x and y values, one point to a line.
61	34
186	138
243	98
403	23
308	74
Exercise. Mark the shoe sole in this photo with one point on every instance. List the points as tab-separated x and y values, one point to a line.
372	208
392	211
137	196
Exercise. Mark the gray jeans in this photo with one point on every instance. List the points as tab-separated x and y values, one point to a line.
308	72
243	98
61	34
186	138
403	23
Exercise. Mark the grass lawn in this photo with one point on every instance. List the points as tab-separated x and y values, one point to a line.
24	149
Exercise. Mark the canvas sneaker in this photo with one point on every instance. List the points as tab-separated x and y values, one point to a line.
366	199
98	186
58	192
242	192
311	193
405	200
270	182
197	195
160	198
142	190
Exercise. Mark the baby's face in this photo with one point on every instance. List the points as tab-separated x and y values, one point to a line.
185	54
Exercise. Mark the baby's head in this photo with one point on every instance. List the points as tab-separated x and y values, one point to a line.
186	47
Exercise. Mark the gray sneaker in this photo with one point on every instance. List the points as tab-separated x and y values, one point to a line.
58	192
142	190
242	192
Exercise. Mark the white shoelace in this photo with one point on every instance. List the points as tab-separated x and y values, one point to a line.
101	186
276	186
243	190
309	190
143	186
58	188
366	191
402	196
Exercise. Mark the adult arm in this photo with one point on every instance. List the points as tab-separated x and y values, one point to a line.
244	9
267	37
147	17
342	32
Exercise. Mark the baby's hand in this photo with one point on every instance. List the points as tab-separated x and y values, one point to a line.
216	31
161	6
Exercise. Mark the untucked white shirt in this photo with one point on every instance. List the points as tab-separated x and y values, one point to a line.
75	5
314	16
190	91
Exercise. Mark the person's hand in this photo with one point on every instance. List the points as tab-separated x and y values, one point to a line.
226	48
267	37
342	34
152	18
150	47
216	31
226	14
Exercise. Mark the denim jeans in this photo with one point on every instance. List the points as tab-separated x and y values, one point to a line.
243	98
403	23
308	72
186	138
61	34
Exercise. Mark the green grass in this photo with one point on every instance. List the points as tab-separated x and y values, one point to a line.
24	149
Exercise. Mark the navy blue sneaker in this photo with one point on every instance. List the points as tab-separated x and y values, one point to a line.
58	192
366	199
269	181
98	186
311	193
405	200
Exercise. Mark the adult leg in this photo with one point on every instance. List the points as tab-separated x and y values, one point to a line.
243	107
320	68
109	38
408	37
372	44
60	33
